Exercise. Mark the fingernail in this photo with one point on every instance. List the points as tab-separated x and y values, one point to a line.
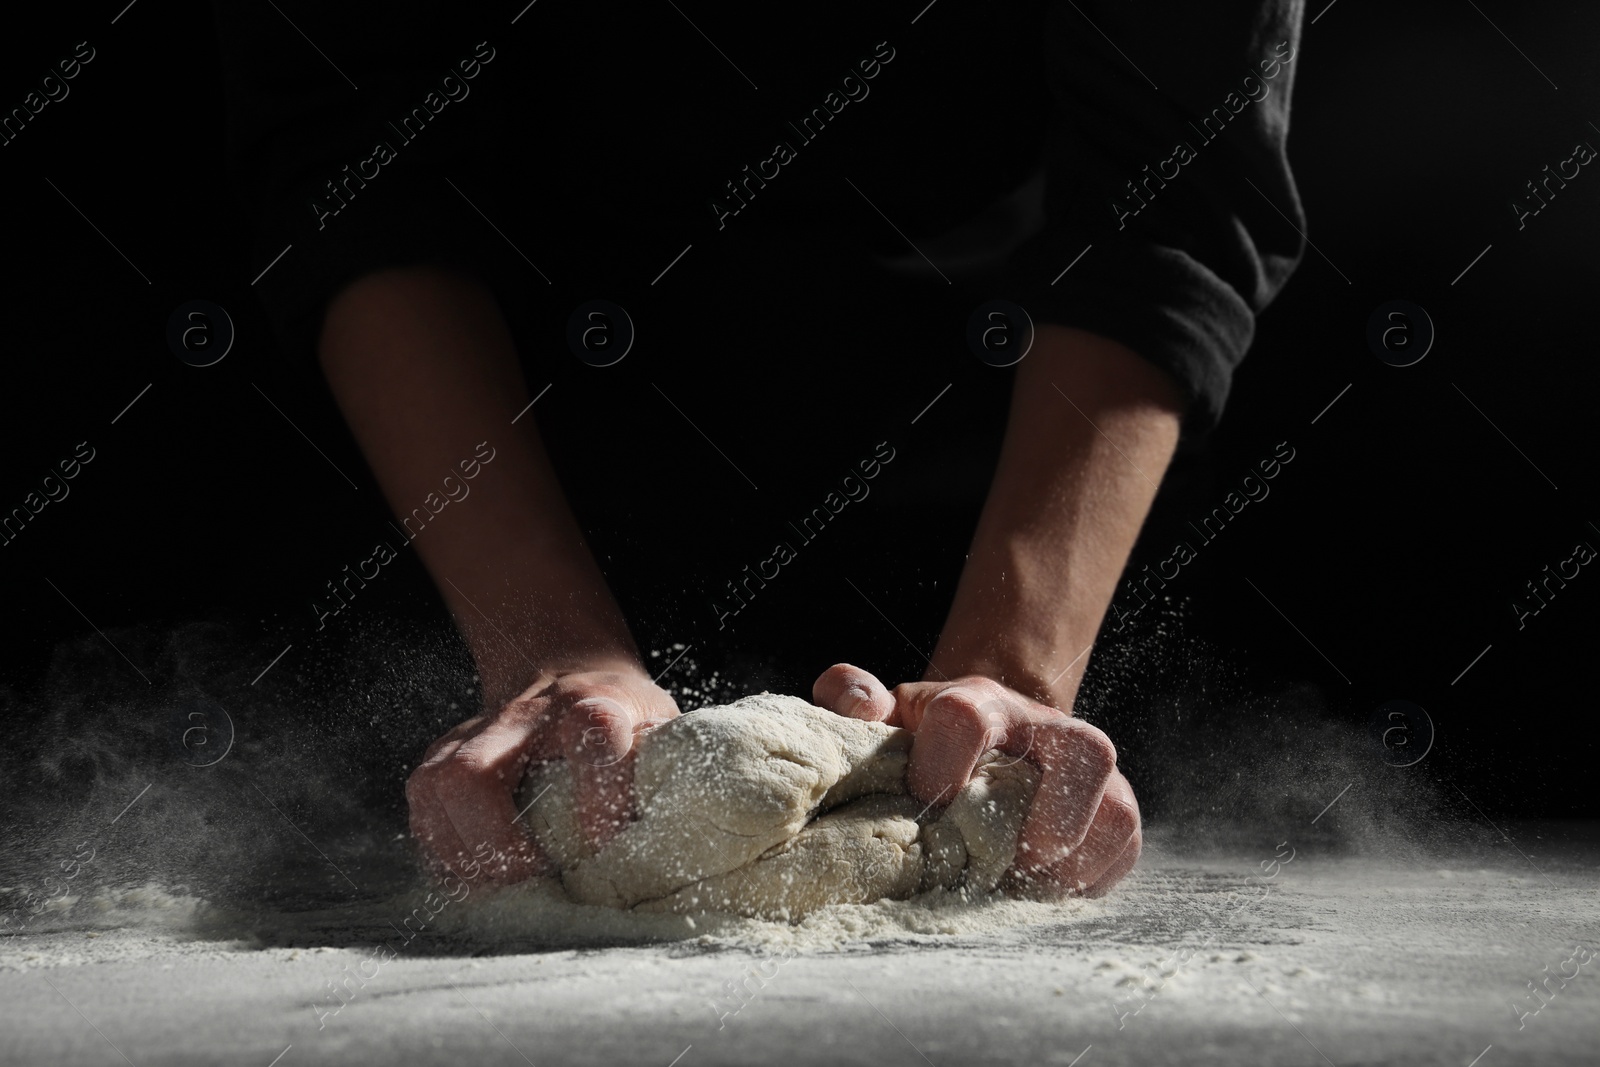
857	702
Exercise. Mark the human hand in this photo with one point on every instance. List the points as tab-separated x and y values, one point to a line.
1082	834
462	795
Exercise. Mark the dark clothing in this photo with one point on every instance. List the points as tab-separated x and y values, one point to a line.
599	144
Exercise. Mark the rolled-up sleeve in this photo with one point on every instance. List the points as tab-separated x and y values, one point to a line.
1169	193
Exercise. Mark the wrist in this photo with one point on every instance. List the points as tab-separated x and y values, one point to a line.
502	683
513	660
1056	688
1025	617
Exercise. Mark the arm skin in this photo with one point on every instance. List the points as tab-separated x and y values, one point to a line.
423	368
1092	430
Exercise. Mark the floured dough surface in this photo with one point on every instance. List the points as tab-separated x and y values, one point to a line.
772	807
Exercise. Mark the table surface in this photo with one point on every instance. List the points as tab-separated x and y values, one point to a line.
1206	955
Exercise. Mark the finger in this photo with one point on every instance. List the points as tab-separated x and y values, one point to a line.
597	735
848	690
1113	829
444	849
457	733
957	726
1119	868
476	785
1076	762
911	700
431	828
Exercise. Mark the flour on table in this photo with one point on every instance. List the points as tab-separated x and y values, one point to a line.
773	808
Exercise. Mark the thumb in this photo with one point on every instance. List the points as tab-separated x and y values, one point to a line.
847	690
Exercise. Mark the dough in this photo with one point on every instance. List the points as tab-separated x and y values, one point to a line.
771	807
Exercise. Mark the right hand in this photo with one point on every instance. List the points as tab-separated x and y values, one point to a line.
1083	832
462	796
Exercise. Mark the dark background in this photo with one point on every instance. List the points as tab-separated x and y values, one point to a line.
1395	541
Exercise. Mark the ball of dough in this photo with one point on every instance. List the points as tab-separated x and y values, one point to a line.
772	807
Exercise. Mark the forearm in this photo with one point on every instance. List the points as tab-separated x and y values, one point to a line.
1091	431
423	368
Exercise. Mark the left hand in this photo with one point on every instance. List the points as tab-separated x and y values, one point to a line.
1083	832
464	790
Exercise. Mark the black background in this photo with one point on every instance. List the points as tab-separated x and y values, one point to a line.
1395	541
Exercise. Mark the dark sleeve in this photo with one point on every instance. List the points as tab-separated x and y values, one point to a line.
1168	164
344	133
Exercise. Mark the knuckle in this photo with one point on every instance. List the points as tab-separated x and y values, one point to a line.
961	711
421	782
996	715
453	736
1076	741
911	699
414	798
464	763
520	709
1098	749
1120	819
